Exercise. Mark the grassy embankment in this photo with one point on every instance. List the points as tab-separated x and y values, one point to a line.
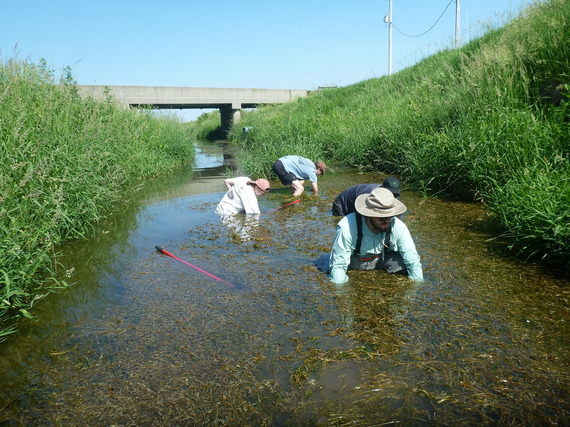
65	160
489	121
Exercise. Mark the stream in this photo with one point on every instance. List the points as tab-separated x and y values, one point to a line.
140	338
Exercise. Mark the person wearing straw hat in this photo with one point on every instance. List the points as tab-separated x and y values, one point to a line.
241	195
343	204
374	238
293	170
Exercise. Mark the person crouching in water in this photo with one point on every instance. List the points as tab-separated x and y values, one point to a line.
242	195
374	238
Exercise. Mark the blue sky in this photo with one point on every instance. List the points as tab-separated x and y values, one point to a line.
273	44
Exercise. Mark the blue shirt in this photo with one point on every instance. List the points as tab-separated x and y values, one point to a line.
345	242
301	167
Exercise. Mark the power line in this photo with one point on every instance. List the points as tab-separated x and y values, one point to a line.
431	28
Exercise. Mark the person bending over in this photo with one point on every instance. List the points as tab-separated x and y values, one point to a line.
343	204
242	195
293	170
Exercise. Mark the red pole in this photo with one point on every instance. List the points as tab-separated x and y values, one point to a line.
165	252
296	201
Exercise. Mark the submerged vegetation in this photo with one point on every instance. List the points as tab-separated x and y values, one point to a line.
489	121
65	160
483	341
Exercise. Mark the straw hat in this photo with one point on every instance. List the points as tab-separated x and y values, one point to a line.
381	203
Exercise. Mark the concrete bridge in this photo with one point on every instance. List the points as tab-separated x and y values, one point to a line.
228	101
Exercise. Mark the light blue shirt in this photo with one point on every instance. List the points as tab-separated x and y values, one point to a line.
344	244
301	167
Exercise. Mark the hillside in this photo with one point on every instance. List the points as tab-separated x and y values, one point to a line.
488	122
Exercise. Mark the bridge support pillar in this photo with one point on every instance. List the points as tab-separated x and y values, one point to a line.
229	116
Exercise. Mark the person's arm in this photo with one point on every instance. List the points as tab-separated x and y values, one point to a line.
340	253
315	188
407	249
229	182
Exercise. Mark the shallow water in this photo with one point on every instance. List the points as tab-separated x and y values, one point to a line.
144	339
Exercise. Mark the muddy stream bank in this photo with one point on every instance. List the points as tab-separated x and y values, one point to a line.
142	339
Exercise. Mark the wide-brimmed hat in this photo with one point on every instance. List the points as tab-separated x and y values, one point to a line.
321	166
262	183
381	203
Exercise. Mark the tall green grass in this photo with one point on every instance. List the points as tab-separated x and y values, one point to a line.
488	121
64	161
206	127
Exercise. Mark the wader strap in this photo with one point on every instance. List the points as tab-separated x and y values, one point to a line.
358	233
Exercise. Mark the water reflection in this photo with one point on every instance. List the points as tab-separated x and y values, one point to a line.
242	226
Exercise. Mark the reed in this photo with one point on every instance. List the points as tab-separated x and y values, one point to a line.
65	160
488	121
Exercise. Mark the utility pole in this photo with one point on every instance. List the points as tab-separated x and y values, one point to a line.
457	19
388	20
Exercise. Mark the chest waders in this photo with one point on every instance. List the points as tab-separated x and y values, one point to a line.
367	261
